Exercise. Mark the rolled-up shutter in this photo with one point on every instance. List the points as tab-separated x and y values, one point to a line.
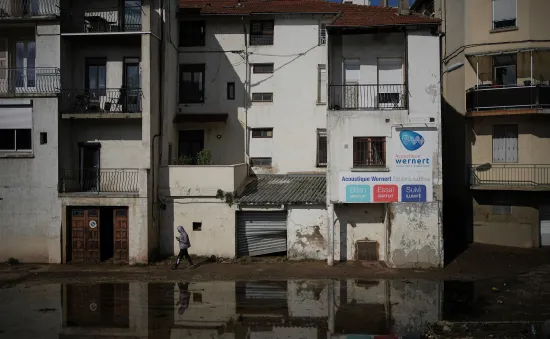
15	117
261	233
504	10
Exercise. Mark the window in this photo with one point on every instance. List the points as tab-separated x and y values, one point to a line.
192	83
322	34
368	152
322	80
321	148
197	297
502	210
262	133
505	143
43	138
15	140
230	91
262	68
261	32
260	162
192	33
96	77
262	97
390	78
504	14
504	69
197	226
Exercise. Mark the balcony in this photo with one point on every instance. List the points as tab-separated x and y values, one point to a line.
367	97
510	177
489	97
29	81
28	9
101	103
201	180
102	20
98	181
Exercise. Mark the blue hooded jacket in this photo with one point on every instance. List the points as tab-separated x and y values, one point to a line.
183	239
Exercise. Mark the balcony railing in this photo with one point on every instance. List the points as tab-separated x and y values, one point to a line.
507	97
367	97
510	176
84	101
28	8
99	181
102	20
39	80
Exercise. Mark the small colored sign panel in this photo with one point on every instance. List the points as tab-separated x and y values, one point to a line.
358	193
386	193
413	193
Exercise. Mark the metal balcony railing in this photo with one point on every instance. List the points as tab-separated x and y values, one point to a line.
28	8
102	20
513	176
38	80
359	97
120	100
99	180
489	97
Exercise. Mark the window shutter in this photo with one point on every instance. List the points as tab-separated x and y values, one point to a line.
390	72
504	10
499	144
16	118
511	144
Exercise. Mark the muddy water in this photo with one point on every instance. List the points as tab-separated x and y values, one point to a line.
353	309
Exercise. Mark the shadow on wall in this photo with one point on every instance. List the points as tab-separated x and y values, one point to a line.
458	206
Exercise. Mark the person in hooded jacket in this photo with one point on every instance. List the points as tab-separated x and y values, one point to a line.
184	242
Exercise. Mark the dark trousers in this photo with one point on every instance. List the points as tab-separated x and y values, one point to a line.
183	253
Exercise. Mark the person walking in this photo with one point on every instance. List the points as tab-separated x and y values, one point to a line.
184	242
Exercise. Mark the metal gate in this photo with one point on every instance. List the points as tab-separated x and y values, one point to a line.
544	213
85	235
261	233
120	226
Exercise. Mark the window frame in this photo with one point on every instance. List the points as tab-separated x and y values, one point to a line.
261	136
15	150
192	68
198	42
262	165
95	62
262	39
262	93
503	27
505	126
322	34
369	162
320	99
322	133
494	67
263	64
230	90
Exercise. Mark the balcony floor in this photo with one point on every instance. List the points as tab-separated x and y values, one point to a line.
101	115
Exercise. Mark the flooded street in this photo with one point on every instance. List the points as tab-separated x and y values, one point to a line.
352	309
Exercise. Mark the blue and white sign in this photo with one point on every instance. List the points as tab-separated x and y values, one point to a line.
414	150
411	140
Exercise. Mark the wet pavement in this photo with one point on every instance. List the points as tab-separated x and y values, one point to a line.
351	309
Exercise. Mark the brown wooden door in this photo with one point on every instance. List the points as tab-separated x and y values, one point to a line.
83	305
120	227
85	235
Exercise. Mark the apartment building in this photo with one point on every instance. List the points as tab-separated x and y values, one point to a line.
248	151
495	107
81	103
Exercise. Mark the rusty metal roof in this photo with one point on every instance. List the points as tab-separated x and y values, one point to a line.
278	189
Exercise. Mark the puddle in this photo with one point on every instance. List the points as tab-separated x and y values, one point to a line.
343	309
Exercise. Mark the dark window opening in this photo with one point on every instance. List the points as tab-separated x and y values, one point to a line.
43	138
96	77
197	297
504	69
321	148
197	226
369	152
262	133
262	97
192	33
230	91
262	68
15	140
260	162
192	83
261	32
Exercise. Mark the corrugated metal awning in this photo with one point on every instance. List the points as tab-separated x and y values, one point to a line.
279	189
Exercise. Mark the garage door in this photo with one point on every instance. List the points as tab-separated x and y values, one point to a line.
261	233
544	212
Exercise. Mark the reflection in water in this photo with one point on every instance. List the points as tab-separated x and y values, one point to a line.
226	309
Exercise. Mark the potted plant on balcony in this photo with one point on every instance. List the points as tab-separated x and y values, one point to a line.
204	157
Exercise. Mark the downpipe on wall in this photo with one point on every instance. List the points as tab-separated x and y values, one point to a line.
330	222
246	95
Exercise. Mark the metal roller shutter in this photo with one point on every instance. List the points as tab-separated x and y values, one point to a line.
261	233
544	213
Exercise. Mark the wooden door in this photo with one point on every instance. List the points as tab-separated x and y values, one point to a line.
85	236
83	305
120	227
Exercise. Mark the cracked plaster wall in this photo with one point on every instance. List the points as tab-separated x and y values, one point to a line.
307	233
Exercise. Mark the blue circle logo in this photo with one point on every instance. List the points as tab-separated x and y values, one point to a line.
411	140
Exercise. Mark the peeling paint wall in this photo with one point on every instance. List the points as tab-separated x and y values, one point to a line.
217	234
358	222
307	233
308	298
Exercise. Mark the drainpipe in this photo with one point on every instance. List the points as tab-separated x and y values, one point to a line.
330	221
246	94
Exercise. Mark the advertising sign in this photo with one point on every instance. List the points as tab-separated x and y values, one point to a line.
409	176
